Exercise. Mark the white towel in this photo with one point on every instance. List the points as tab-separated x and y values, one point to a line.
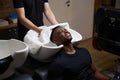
45	35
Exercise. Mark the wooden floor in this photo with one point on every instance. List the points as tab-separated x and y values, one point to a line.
102	59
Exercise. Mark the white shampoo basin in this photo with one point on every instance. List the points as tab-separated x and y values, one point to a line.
42	48
13	54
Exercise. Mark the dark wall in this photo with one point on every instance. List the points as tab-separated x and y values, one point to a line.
6	7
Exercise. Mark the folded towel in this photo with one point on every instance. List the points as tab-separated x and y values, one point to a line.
45	35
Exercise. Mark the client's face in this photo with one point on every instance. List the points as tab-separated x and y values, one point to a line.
61	36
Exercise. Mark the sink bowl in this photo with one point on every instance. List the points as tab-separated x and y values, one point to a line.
13	54
41	48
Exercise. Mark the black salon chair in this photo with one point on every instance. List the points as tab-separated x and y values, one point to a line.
35	69
107	29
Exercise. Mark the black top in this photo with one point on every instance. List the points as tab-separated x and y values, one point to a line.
33	11
72	66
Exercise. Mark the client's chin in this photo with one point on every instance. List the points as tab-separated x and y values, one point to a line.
67	42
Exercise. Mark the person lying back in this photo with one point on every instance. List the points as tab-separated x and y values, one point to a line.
71	63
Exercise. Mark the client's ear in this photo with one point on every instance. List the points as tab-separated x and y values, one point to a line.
56	41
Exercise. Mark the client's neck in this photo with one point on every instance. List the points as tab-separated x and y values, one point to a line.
69	49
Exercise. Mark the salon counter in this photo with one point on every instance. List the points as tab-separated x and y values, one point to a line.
9	31
11	25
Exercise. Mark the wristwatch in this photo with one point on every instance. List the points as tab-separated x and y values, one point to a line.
38	34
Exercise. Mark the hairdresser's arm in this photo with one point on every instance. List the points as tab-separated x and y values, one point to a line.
49	14
26	22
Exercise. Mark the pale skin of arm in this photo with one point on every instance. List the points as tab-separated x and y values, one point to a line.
26	22
49	14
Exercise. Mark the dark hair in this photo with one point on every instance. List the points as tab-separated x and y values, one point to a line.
51	36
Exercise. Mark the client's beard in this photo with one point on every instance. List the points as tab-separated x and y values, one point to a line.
68	41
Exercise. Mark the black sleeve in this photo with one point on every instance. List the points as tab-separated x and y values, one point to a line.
87	51
18	3
55	72
45	0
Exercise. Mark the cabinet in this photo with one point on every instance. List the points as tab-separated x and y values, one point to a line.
98	4
9	31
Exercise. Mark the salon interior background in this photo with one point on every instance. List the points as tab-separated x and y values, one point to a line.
79	13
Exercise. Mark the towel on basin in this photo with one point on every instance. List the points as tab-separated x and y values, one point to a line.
40	47
44	35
